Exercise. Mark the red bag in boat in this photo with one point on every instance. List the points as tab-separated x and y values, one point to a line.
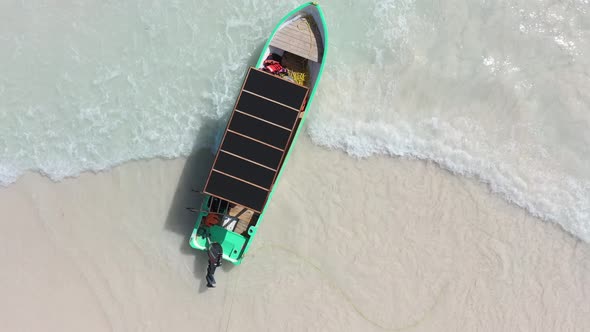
273	66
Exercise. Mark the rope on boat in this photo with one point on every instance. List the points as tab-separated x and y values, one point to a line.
298	77
305	18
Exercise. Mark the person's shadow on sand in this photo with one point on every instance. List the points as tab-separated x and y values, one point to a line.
193	177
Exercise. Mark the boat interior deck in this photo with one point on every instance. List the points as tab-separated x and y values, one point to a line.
264	121
300	36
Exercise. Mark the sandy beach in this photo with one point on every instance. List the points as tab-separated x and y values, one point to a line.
471	118
377	244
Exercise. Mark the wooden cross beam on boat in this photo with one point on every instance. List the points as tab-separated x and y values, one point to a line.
256	138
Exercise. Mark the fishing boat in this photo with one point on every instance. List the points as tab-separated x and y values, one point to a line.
265	122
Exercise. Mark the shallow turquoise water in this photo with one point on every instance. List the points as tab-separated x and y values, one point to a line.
494	90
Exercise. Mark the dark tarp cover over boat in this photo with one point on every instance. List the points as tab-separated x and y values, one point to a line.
256	139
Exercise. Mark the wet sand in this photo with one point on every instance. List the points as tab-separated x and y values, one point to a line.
347	245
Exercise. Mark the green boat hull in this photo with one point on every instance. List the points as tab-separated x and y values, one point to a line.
235	246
